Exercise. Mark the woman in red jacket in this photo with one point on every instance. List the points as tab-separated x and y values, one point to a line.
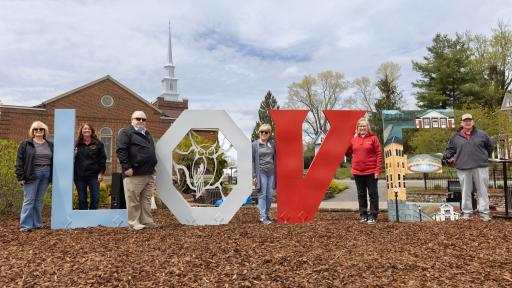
366	164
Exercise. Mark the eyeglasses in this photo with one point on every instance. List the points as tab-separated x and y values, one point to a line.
140	119
264	132
38	129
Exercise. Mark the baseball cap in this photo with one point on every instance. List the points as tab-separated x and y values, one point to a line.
466	116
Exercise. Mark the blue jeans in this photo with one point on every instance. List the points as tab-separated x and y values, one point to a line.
94	188
33	200
265	195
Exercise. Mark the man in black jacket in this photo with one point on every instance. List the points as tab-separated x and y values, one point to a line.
136	153
472	148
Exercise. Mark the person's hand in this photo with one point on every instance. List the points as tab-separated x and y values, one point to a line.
129	172
376	175
76	150
100	177
21	182
254	181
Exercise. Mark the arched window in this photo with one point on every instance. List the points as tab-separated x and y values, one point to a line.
106	138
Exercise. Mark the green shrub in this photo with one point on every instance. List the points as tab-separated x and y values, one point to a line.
343	173
105	193
437	186
336	187
11	193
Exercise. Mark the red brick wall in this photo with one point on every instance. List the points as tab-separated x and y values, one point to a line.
15	122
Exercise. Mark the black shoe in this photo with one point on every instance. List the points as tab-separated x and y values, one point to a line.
363	219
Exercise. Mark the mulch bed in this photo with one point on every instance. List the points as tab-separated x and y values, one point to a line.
334	250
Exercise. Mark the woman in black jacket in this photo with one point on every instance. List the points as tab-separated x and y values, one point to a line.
33	171
90	164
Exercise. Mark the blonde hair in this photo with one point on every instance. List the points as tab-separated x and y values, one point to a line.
37	124
265	127
361	121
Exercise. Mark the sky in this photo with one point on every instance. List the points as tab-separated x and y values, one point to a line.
227	54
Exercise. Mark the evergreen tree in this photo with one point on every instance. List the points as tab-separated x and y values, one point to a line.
268	103
447	75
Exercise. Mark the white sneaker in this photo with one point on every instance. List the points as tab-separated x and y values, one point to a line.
137	227
485	217
371	221
151	225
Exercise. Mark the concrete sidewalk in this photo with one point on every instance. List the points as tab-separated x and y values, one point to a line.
347	199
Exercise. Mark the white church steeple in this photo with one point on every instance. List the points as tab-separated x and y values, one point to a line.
169	82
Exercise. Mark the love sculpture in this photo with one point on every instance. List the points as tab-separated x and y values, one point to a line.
299	195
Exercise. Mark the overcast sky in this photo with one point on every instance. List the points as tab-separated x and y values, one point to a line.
227	53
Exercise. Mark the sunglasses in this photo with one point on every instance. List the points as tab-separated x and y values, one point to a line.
140	119
38	129
264	132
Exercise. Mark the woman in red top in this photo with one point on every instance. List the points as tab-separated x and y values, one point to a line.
366	164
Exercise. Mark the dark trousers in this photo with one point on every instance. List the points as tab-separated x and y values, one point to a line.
94	188
367	184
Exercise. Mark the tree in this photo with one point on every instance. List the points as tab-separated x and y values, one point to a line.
430	141
390	95
494	56
269	102
445	73
317	94
365	93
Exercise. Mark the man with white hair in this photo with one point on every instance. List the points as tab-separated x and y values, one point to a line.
472	148
136	153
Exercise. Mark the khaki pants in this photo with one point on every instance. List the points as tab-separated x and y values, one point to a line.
137	192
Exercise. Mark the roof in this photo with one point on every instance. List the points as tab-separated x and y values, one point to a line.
393	139
22	107
107	77
446	112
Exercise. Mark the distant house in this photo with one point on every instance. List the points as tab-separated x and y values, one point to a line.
394	121
435	119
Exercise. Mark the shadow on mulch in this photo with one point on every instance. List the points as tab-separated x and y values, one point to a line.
334	250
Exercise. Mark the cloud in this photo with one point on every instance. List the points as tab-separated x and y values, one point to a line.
228	54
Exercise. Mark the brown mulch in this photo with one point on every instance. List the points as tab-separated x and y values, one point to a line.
335	250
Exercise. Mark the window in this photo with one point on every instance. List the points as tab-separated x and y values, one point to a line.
443	122
107	100
426	122
106	138
435	124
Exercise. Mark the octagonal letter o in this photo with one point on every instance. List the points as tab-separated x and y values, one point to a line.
172	198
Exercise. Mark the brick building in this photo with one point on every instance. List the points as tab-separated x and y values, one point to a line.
104	103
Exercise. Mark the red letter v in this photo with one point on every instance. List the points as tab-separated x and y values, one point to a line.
299	196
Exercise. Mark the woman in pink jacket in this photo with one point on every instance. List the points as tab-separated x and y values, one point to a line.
366	154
